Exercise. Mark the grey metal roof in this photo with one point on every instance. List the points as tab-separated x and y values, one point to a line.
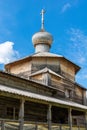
40	97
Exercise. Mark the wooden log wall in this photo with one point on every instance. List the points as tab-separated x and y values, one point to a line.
15	82
35	112
8	104
37	67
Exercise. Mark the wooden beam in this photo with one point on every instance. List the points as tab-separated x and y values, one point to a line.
70	118
2	125
86	120
21	114
49	117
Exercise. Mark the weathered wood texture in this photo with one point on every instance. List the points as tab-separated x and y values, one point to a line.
8	104
37	112
75	92
15	82
58	65
14	125
32	111
64	88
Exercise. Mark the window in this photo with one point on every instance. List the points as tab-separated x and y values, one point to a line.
68	93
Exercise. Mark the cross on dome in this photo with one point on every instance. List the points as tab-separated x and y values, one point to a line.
42	40
42	19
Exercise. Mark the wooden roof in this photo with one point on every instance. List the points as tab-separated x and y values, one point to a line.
46	70
47	99
41	55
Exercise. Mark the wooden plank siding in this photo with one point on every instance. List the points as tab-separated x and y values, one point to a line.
54	89
62	87
37	112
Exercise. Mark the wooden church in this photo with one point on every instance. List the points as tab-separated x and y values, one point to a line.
39	92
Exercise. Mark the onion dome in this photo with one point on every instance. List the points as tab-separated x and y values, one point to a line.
42	40
42	37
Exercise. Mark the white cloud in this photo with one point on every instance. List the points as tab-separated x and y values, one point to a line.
65	7
7	53
79	45
78	52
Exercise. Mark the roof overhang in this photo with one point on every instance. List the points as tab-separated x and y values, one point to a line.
39	97
46	70
41	55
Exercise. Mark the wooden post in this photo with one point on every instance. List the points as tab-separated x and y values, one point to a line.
60	128
14	113
70	118
78	127
36	126
84	97
86	120
49	117
2	125
21	114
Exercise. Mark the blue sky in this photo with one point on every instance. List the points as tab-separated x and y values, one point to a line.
65	19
